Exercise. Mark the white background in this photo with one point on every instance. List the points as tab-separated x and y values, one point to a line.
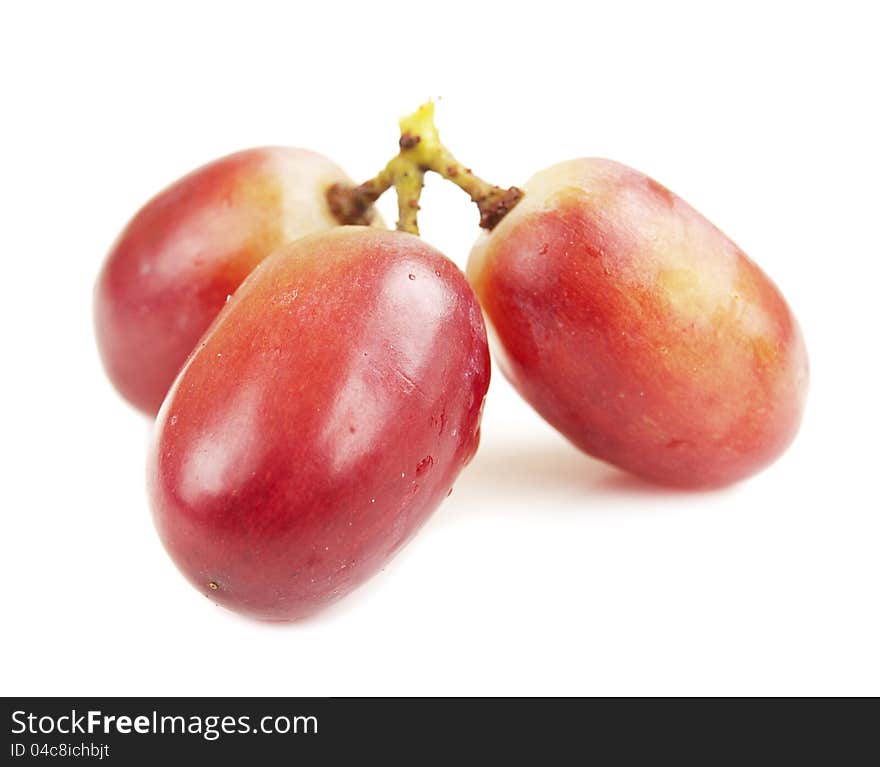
545	572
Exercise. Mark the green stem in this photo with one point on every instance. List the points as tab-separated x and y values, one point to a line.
420	151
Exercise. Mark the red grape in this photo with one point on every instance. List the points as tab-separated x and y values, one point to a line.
320	421
173	267
638	329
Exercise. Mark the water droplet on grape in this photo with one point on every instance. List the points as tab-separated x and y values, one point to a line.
426	463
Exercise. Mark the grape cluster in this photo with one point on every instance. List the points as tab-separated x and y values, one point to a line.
318	379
